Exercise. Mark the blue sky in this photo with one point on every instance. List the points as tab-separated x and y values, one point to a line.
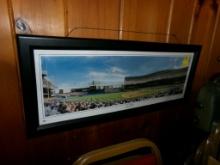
68	72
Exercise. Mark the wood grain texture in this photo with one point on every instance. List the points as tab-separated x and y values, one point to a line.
190	20
180	25
49	149
43	17
202	33
12	128
214	60
93	18
149	19
15	146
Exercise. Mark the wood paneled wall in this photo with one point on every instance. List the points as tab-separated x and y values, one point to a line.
178	21
96	19
152	18
43	18
203	32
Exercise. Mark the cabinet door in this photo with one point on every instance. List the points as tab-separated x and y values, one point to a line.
93	18
145	20
42	17
202	33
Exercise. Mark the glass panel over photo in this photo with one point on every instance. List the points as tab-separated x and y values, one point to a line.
82	82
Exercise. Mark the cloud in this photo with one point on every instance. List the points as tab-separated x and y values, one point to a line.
112	72
113	76
117	70
98	75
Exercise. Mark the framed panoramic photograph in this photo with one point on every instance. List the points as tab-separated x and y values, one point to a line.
68	81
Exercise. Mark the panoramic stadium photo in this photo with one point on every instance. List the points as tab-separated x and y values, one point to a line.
84	83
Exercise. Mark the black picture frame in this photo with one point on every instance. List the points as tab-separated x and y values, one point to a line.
111	78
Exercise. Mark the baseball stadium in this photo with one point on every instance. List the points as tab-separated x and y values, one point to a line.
135	88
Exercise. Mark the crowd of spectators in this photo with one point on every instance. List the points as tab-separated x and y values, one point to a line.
59	106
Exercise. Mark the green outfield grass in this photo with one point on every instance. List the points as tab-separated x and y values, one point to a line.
108	97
